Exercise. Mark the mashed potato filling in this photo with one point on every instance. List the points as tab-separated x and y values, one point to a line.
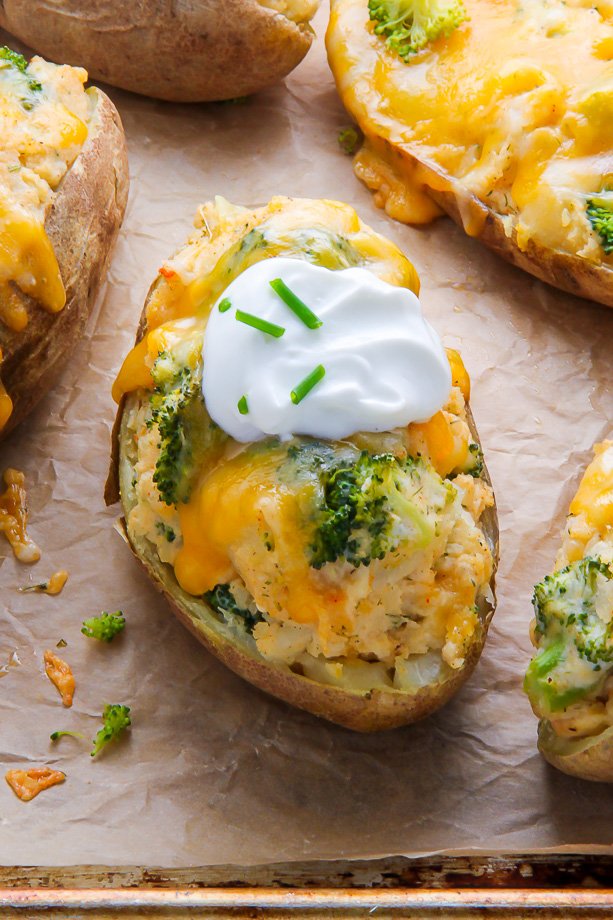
407	603
241	528
44	118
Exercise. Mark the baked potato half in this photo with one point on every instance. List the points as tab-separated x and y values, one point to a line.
64	182
493	114
353	575
182	52
570	679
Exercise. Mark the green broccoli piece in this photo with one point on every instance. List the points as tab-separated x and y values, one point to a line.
409	25
349	140
223	601
54	736
116	719
177	406
104	627
600	213
166	531
365	511
19	63
575	644
475	461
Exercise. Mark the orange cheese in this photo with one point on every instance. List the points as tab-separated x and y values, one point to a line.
237	497
6	403
516	89
595	494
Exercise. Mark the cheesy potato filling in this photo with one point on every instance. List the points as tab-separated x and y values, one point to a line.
251	528
44	118
512	110
587	666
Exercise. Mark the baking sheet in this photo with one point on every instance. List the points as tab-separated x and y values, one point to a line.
213	771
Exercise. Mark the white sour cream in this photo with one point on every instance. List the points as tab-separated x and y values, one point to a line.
385	366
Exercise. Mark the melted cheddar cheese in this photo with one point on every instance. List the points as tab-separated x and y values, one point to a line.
246	520
44	118
513	109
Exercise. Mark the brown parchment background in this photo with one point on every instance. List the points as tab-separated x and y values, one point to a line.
214	771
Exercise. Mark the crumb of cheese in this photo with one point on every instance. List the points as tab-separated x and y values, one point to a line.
53	585
14	516
59	673
28	783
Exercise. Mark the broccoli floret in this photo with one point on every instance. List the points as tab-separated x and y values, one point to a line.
575	643
223	601
55	736
364	504
18	62
600	212
409	25
104	627
116	719
177	408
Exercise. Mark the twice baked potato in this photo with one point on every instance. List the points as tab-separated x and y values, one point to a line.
570	679
497	114
183	52
349	572
64	187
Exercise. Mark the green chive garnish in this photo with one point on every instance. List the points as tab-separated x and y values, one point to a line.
305	386
295	304
225	304
261	324
55	735
243	408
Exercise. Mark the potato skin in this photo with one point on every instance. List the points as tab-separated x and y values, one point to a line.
588	758
82	224
373	711
574	274
182	52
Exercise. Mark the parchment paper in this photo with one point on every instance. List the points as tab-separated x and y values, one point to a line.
213	770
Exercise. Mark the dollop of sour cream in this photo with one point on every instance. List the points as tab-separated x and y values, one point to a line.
384	365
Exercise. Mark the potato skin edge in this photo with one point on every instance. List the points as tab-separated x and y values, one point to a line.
82	224
213	51
570	273
592	761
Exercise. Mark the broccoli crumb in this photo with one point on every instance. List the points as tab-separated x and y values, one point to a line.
349	140
104	627
116	719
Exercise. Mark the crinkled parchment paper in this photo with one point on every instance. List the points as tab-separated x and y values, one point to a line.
214	771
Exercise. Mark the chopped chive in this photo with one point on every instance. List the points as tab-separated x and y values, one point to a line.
261	324
225	304
295	304
55	735
305	386
243	408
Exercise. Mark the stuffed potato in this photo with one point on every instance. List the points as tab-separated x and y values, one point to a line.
64	186
349	572
497	114
570	679
183	52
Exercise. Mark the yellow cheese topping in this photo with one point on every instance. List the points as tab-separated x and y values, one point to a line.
595	494
513	110
44	117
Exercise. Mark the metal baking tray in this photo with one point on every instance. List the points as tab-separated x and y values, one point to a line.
528	886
